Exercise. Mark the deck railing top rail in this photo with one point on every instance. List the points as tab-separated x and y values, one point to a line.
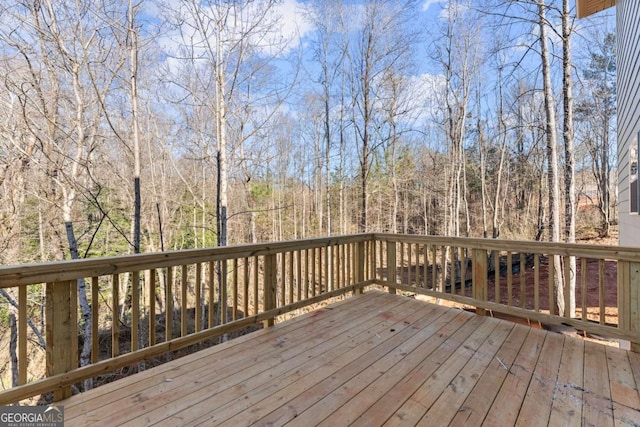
53	271
620	253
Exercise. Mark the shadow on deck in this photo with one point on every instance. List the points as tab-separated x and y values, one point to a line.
379	359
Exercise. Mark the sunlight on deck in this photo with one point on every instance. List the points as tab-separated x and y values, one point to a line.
379	359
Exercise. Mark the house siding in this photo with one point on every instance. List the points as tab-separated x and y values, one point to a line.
628	57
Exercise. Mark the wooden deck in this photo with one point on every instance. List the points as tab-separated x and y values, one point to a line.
379	359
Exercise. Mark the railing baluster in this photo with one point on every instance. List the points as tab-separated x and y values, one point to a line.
523	278
566	293
536	282
601	291
152	306
256	293
223	283
95	349
349	262
510	280
443	263
401	265
434	268
22	335
496	271
115	315
282	282
168	304
212	295
306	273
198	309
323	267
245	287
373	259
380	259
317	265
183	301
291	300
338	266
328	268
551	280
422	250
410	266
366	263
583	287
234	311
362	262
298	262
342	268
345	264
314	261
135	309
463	270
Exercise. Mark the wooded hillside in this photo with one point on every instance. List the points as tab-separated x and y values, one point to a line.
215	122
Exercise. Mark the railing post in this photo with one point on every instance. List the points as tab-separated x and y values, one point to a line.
270	285
391	265
629	299
360	263
60	331
480	277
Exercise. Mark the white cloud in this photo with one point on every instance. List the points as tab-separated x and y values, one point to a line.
428	3
425	95
282	28
294	26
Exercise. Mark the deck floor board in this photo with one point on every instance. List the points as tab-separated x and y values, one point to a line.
378	359
475	407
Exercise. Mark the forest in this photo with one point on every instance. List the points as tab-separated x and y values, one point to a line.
144	126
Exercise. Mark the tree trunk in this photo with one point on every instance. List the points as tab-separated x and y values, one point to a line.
569	173
605	207
552	155
483	171
133	64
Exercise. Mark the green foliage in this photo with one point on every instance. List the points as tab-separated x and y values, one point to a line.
603	63
260	191
601	78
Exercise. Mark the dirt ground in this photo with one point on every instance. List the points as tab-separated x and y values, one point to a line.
593	292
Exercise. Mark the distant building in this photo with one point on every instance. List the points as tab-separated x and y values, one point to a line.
628	61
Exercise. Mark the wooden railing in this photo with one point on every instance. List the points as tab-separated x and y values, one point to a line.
152	304
144	306
516	278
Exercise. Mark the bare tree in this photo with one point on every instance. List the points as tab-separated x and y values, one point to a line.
569	157
66	67
459	54
383	38
552	155
595	114
135	127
